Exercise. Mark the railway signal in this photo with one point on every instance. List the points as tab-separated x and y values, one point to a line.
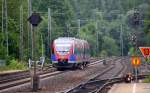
135	19
34	19
134	40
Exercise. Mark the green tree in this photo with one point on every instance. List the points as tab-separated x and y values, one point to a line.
110	46
88	33
147	27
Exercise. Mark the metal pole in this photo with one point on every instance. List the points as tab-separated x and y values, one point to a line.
34	73
134	38
42	45
29	29
67	29
30	44
49	31
34	57
21	33
121	36
6	26
2	22
103	5
136	74
31	35
35	77
78	27
2	15
96	27
121	40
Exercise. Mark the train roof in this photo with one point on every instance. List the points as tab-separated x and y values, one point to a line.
68	40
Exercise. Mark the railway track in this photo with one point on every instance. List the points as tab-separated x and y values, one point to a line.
9	80
8	77
99	86
26	80
96	84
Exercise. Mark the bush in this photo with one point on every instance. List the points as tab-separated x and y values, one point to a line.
147	80
148	60
15	65
8	60
103	54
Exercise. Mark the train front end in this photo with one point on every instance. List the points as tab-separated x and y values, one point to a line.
62	56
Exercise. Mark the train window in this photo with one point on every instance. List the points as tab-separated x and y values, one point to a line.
63	48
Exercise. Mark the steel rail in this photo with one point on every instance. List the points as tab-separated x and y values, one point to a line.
94	84
22	77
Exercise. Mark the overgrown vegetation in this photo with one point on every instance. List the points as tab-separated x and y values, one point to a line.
147	80
14	65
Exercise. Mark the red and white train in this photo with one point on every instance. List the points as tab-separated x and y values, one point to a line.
70	52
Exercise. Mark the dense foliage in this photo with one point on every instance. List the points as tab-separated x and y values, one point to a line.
101	23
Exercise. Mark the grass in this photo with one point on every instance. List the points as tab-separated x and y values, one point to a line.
147	80
148	60
14	65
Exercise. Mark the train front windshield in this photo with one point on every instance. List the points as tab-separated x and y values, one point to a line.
63	49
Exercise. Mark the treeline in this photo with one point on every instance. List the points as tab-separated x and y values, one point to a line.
9	27
114	24
105	24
